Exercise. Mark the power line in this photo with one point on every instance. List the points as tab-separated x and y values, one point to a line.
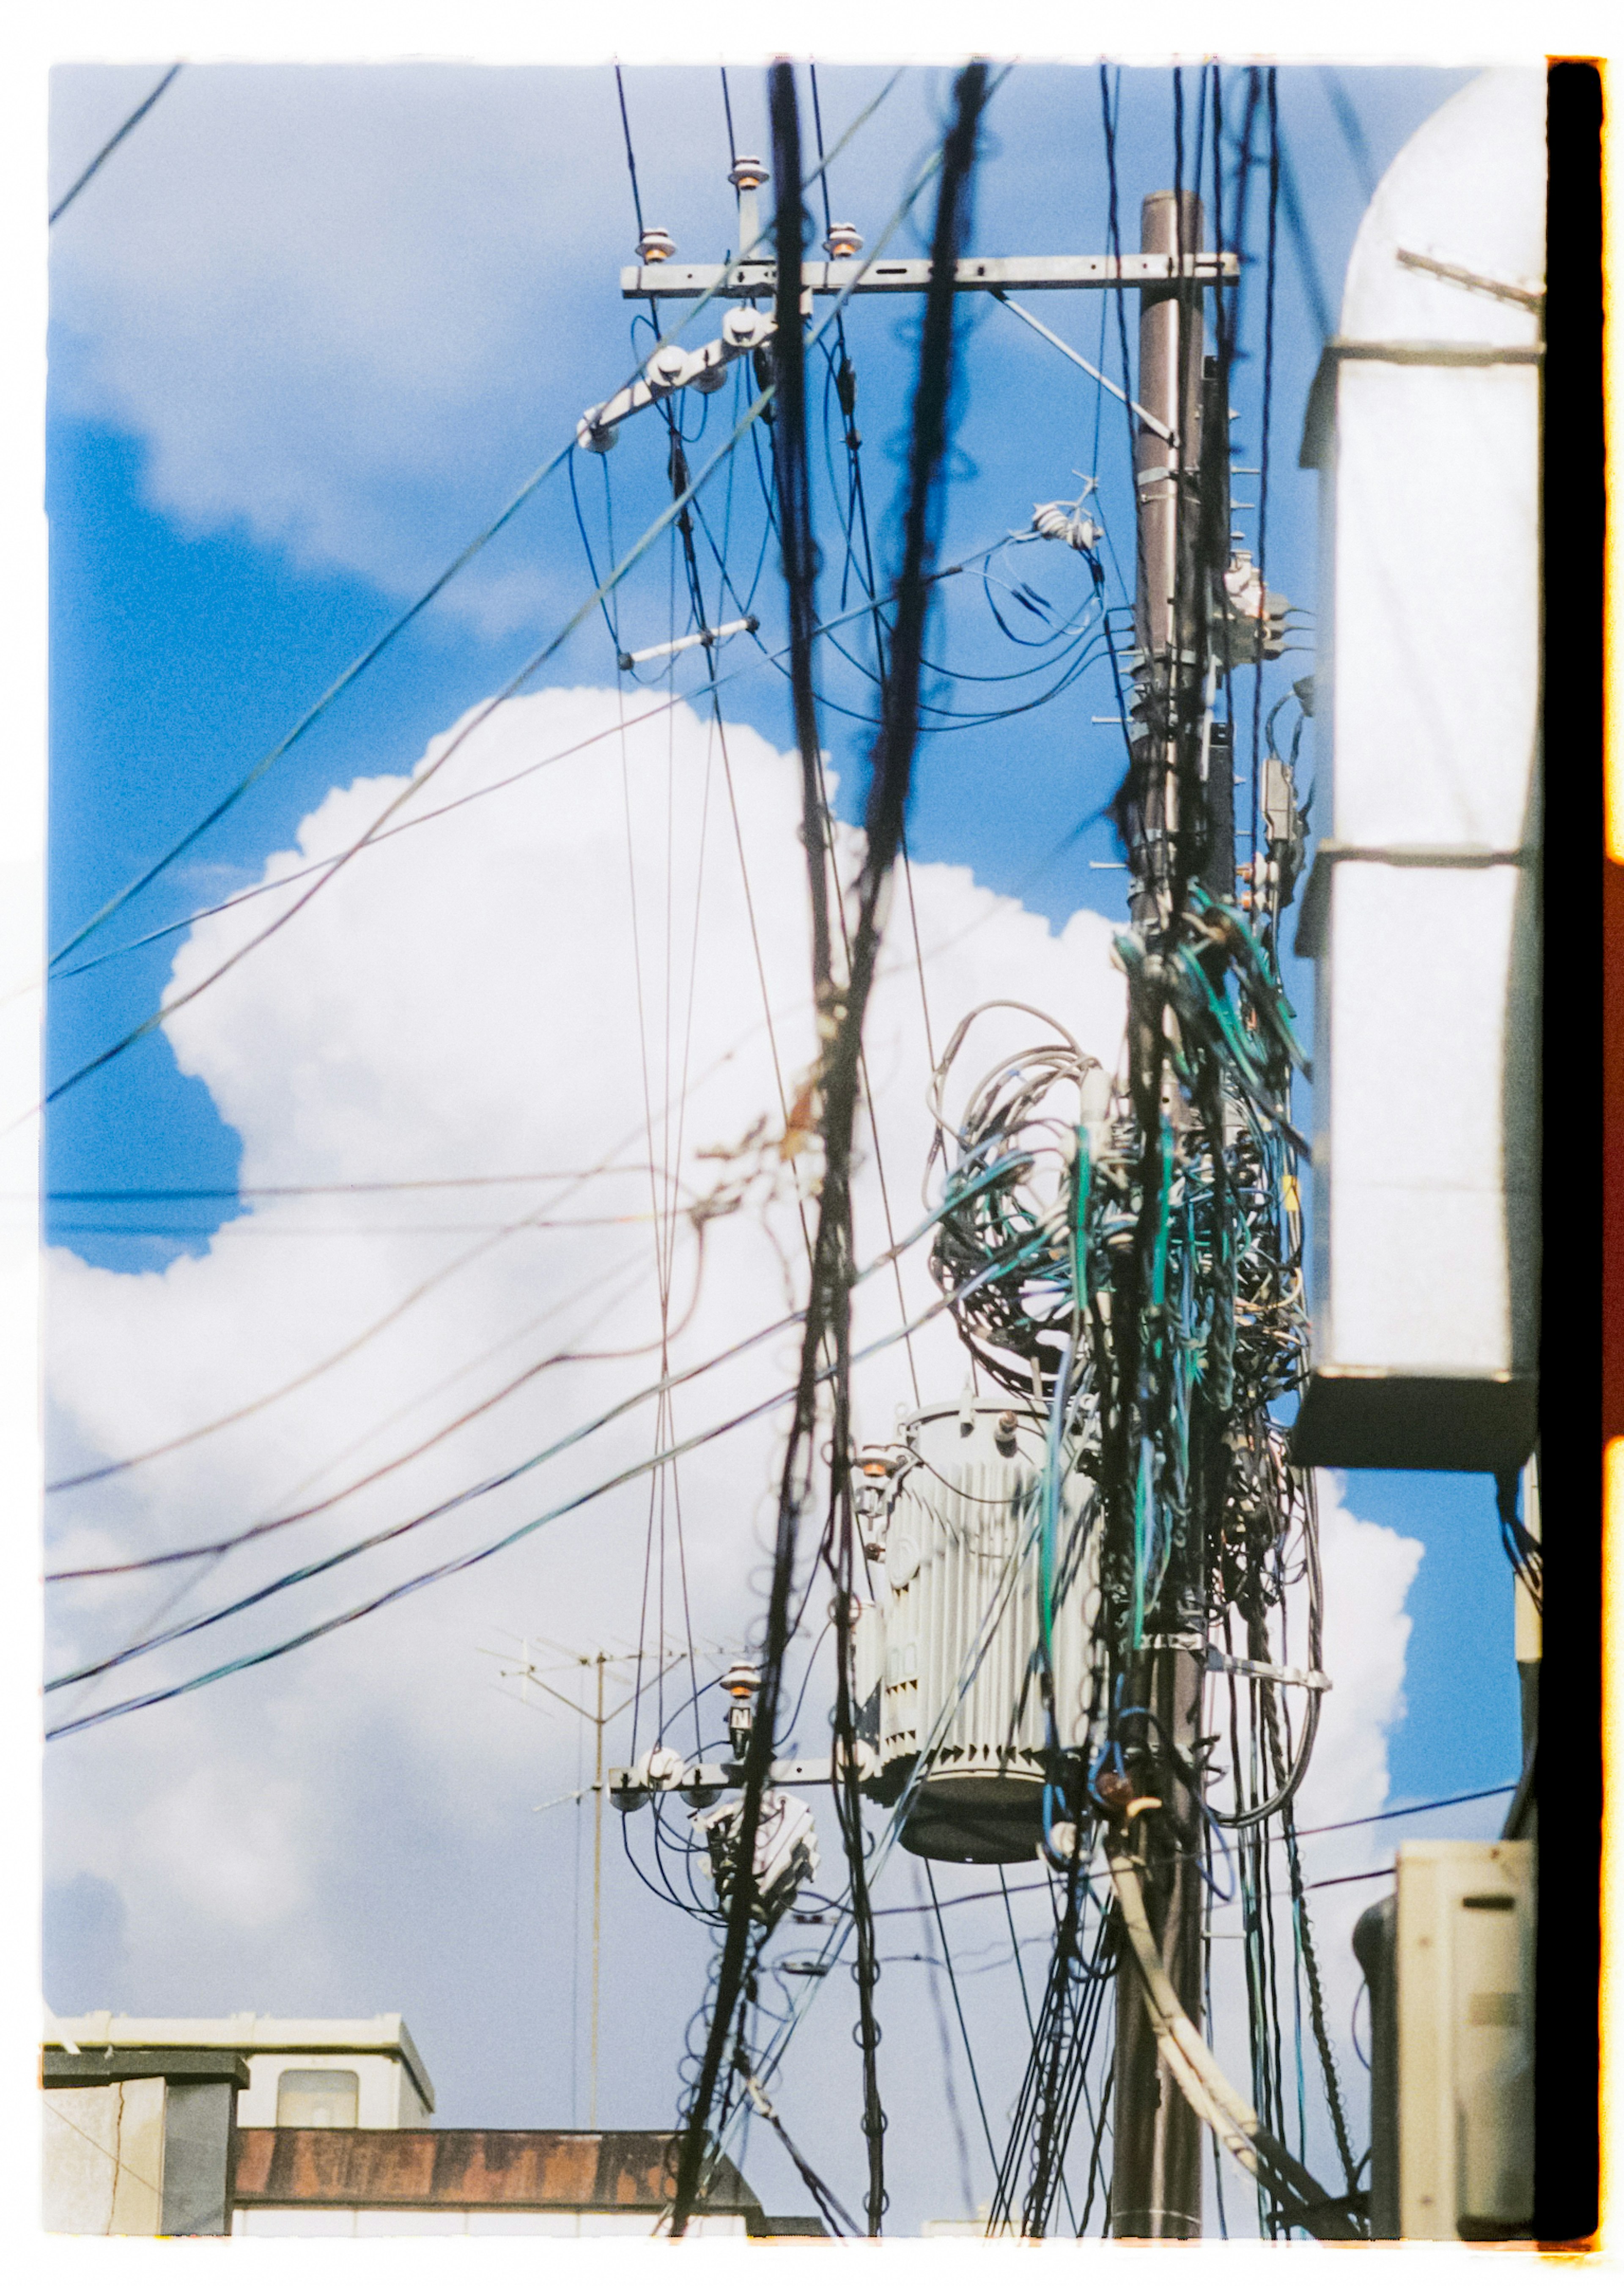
157	1197
499	785
374	651
254	1532
456	1563
631	163
111	145
532	666
300	1380
656	1390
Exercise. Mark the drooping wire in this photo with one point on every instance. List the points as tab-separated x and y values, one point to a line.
631	163
829	1300
374	651
111	145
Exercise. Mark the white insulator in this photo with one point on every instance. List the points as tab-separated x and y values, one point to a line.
661	1767
667	367
590	437
785	1851
1061	520
746	328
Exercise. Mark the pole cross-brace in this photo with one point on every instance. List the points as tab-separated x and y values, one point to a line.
700	1783
674	367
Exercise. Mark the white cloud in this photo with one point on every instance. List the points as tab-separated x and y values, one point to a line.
348	309
485	996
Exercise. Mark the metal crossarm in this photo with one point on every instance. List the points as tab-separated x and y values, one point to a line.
676	281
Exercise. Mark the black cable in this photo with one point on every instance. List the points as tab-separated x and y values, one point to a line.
829	1301
111	145
817	128
794	498
481	714
631	163
397	627
592	568
459	1564
255	1531
947	1962
727	106
323	1365
1263	457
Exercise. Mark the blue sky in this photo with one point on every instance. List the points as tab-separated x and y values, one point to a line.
312	327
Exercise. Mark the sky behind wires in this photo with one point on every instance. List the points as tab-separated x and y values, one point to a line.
311	326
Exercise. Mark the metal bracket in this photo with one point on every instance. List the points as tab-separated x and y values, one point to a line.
1322	389
1220	1662
1443	856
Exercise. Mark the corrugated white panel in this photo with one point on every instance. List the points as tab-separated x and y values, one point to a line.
962	1622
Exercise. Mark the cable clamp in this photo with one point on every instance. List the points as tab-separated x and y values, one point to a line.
1306	1678
1220	1662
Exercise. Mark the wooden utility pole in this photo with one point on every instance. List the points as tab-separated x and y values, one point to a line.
1157	2187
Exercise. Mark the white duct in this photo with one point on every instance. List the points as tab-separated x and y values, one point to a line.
1421	907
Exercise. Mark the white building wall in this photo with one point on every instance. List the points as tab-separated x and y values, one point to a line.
395	2089
103	2159
386	2096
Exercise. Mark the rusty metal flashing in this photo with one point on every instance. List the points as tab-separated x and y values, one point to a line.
540	2169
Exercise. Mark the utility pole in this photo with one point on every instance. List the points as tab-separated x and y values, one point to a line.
1182	501
1157	2182
599	1661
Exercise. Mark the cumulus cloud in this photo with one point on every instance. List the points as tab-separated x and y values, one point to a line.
595	973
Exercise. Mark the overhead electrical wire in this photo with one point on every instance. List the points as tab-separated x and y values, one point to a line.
111	145
829	1301
482	714
256	1532
478	794
323	1365
439	1572
374	651
508	1476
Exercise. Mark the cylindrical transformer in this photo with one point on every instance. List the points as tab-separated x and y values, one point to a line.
952	1654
